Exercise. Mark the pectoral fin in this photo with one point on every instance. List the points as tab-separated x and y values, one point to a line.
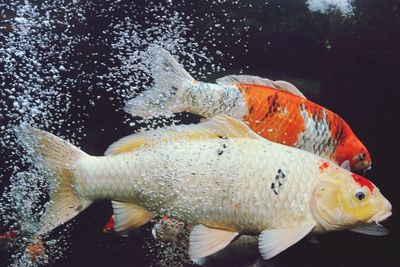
129	216
371	229
346	165
273	241
204	241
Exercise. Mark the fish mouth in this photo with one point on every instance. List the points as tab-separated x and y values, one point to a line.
369	166
380	218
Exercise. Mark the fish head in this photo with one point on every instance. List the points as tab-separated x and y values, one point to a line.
343	200
353	150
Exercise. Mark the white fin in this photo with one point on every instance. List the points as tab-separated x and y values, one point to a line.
216	127
129	216
200	261
204	241
288	87
273	241
371	229
60	157
233	80
346	165
169	79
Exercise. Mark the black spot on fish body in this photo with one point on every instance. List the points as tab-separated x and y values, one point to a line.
251	109
222	137
281	174
278	181
270	108
273	188
221	150
274	103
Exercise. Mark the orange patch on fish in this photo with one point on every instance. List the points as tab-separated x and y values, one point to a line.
273	114
35	249
280	116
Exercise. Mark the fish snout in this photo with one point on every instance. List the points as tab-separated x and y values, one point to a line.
384	212
367	166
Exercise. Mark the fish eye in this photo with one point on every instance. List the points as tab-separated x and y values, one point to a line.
359	194
361	156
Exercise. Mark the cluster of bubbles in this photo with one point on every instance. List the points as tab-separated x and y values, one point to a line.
61	56
324	6
51	56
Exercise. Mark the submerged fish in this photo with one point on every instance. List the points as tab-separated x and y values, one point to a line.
276	110
218	176
7	239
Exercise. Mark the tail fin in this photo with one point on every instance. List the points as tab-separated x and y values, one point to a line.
169	79
60	157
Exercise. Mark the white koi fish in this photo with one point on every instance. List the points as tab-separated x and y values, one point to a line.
218	176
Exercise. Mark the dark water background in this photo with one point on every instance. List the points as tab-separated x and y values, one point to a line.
348	65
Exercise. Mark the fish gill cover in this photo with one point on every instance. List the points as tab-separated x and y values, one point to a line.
60	57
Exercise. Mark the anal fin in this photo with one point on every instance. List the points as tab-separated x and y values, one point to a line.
129	216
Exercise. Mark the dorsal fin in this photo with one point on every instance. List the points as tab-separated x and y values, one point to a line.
216	127
288	87
248	79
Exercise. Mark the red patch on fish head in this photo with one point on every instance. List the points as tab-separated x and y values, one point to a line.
363	181
165	218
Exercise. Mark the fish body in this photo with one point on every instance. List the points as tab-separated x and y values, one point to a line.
276	110
218	176
222	173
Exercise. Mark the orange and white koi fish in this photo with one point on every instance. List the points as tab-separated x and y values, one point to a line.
218	176
276	110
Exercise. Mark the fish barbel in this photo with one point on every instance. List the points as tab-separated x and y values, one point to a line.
218	176
276	110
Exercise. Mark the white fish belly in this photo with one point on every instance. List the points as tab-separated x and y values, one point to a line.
243	184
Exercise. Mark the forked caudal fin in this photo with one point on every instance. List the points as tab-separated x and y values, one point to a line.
60	158
170	78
